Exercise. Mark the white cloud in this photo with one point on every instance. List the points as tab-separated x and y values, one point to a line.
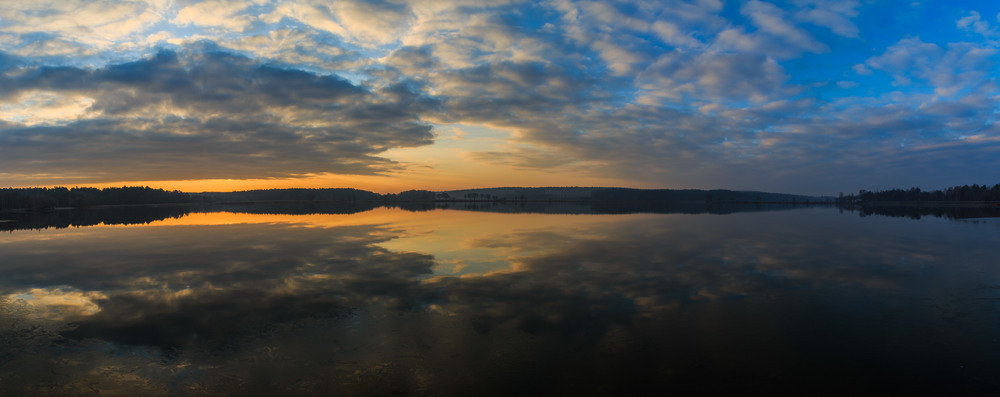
727	76
832	14
45	108
465	37
620	59
974	23
373	22
770	19
777	34
225	14
837	23
60	303
50	48
95	23
606	15
736	39
298	47
317	16
949	70
672	34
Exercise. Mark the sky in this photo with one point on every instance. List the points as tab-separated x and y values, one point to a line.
802	96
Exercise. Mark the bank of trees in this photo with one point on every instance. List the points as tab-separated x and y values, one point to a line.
333	194
47	198
974	192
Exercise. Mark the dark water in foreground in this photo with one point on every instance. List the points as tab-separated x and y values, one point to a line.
444	302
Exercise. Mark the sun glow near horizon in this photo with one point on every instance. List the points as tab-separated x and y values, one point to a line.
377	184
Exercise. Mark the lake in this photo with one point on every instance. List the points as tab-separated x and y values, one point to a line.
385	301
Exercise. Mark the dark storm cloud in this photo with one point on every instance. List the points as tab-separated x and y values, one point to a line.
208	113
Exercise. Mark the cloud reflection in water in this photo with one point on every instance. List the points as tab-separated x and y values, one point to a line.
577	304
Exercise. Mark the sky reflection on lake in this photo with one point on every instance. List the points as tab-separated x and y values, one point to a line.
454	302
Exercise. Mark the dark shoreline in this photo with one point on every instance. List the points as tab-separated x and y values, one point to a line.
931	204
62	217
405	203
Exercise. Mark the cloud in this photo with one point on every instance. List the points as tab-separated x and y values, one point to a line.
380	21
528	158
314	15
974	23
300	48
59	303
216	13
364	23
703	78
207	113
833	15
772	20
715	76
96	23
949	70
472	35
672	34
41	107
861	69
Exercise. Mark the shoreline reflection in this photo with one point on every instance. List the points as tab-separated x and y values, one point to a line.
451	302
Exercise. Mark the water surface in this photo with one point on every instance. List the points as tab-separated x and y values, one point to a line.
449	302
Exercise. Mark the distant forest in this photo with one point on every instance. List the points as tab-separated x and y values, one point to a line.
35	199
338	194
957	193
46	198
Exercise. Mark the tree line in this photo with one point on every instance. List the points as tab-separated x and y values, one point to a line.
974	192
332	194
48	198
37	198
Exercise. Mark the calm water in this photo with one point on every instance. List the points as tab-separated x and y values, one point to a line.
446	302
